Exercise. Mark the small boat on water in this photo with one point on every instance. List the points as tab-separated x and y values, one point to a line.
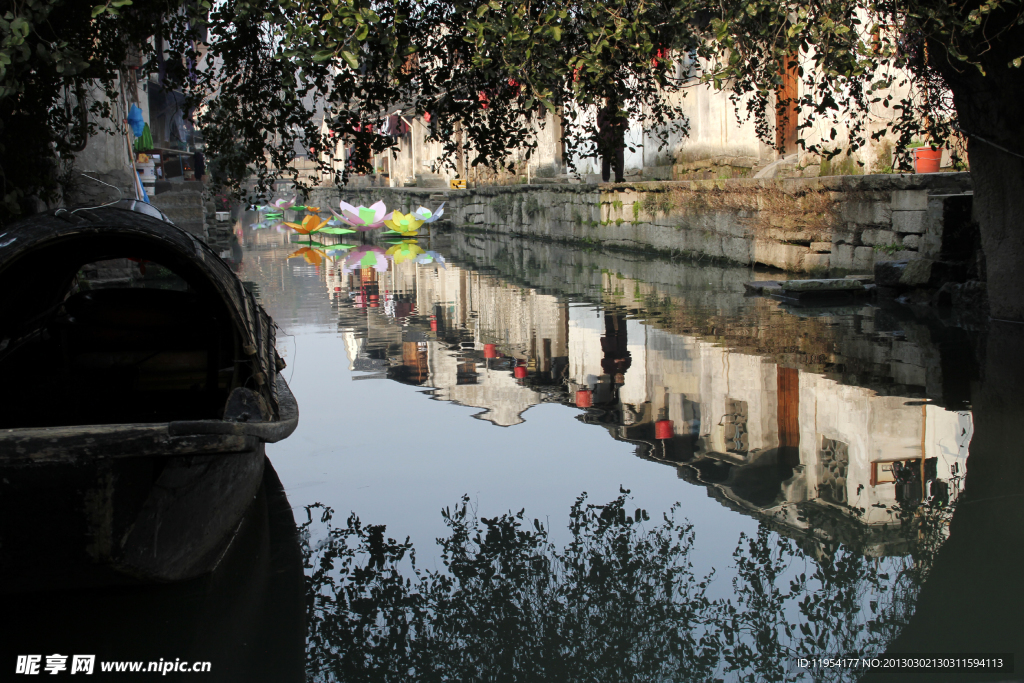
141	383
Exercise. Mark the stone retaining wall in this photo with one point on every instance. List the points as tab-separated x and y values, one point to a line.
843	223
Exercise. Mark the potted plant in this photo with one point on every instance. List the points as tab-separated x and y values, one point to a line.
927	158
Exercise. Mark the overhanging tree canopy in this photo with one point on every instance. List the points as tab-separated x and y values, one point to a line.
483	69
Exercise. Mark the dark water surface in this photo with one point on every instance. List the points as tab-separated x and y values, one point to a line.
792	473
522	462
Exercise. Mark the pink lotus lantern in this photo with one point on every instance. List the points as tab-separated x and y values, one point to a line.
363	218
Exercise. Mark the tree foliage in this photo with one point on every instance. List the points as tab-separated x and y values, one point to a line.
280	79
620	601
51	53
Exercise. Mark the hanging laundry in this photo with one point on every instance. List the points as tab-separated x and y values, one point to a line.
135	120
395	126
144	142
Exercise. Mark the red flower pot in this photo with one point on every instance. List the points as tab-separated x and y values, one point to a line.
926	160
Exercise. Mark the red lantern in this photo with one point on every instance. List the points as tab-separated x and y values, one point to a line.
520	372
584	398
490	351
663	429
433	324
374	301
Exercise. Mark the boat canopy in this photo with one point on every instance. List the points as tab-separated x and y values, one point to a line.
41	259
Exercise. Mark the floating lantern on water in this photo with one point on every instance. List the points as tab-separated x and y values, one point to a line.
490	351
584	398
663	429
284	204
520	372
404	224
424	214
363	218
310	224
313	224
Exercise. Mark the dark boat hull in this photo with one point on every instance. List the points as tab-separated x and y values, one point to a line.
247	617
127	503
133	426
135	519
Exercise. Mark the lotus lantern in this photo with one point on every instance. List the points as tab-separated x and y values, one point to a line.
310	224
313	224
405	225
424	214
363	218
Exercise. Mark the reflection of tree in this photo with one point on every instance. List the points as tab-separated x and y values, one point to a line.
619	602
843	603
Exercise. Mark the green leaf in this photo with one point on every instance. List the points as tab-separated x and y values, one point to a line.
350	59
481	10
98	10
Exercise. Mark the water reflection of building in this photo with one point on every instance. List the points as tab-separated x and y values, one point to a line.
780	442
776	442
453	330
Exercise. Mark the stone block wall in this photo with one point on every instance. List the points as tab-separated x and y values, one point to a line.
844	223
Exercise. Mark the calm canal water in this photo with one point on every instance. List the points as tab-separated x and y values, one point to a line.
792	473
518	461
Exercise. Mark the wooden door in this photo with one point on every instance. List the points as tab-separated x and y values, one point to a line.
786	108
789	407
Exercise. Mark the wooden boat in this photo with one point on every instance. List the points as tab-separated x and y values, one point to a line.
135	410
247	617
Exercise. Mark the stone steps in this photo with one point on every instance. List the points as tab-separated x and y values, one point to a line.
429	180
